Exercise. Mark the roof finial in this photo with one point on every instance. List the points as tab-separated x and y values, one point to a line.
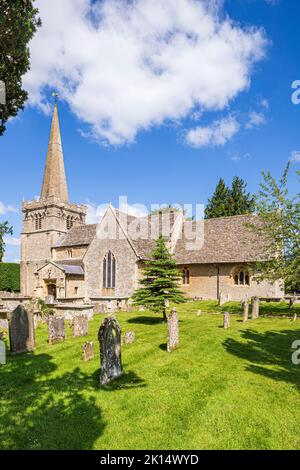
55	96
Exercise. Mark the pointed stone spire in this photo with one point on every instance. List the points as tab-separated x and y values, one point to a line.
55	183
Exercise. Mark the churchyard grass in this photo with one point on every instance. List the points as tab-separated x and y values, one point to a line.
221	389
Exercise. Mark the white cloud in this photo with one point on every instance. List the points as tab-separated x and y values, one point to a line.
4	209
255	119
12	241
126	66
217	134
295	156
96	212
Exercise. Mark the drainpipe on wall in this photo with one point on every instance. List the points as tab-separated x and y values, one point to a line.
218	282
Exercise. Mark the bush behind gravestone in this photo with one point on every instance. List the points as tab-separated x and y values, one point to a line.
10	277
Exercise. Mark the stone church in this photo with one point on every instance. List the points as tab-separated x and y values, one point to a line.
74	263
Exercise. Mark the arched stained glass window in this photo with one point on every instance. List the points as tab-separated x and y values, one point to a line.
109	271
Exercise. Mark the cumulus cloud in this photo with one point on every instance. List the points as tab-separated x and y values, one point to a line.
255	119
217	134
12	241
295	156
126	66
4	209
95	212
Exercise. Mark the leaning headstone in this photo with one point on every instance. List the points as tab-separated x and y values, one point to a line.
245	305
173	331
88	351
56	329
226	320
129	337
109	337
255	308
199	313
223	298
21	330
80	326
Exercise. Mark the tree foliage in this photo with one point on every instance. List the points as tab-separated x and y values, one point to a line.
226	202
160	280
18	22
279	213
10	277
5	229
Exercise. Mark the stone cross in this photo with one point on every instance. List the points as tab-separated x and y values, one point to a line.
226	320
21	330
255	308
245	306
129	337
88	351
109	337
56	329
173	330
80	326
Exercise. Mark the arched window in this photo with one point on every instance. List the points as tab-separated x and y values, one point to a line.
185	277
109	271
241	277
70	221
38	222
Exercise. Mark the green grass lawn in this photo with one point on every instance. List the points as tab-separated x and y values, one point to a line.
221	389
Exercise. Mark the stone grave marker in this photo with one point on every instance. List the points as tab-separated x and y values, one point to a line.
80	326
109	337
255	308
199	313
245	305
173	330
226	320
56	329
129	337
88	351
21	330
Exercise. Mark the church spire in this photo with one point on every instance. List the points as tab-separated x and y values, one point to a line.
55	183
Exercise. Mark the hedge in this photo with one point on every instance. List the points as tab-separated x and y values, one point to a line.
10	277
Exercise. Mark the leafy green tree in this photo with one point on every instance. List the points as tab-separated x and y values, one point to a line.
279	227
160	281
219	204
18	23
226	202
5	229
241	202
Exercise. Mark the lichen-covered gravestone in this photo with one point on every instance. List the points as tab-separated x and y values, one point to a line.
226	320
80	326
129	337
255	308
56	329
245	306
21	330
88	351
173	331
109	337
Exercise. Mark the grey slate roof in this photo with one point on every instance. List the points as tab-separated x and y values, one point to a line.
75	269
78	236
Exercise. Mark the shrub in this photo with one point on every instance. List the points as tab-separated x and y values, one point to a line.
10	277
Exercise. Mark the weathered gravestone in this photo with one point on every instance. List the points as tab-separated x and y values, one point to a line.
56	329
88	351
4	325
129	337
199	313
36	320
80	326
2	352
173	331
245	306
21	330
109	337
226	320
255	308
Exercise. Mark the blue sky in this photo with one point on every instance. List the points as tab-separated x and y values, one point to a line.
119	140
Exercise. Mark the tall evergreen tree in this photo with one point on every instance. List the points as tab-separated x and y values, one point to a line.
160	281
5	229
219	204
18	22
241	202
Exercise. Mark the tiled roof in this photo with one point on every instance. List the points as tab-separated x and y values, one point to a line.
226	240
78	236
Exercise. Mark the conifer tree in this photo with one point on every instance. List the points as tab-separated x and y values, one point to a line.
219	204
160	281
241	202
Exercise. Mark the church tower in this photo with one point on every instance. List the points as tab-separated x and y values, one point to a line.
45	221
